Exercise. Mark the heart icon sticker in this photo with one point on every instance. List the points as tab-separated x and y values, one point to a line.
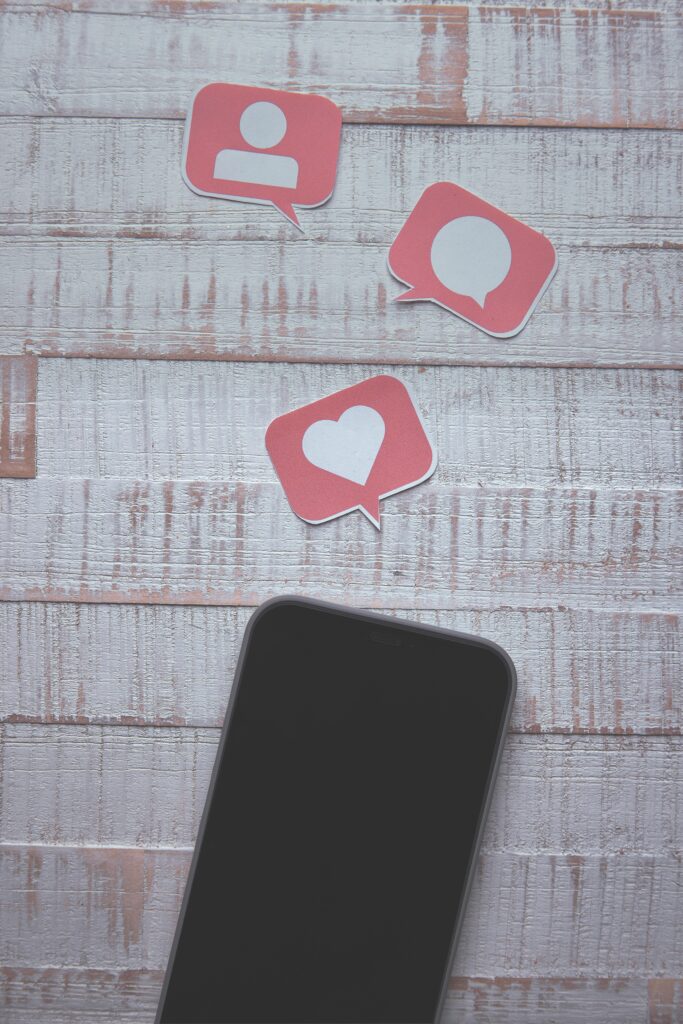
347	447
350	450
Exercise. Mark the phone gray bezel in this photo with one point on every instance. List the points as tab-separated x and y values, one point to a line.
385	620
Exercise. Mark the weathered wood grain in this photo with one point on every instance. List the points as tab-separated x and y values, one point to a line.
104	786
202	542
18	376
544	1001
55	995
218	300
192	8
506	426
576	911
89	996
118	178
306	302
542	916
447	64
72	995
578	671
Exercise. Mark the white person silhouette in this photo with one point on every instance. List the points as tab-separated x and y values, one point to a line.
262	125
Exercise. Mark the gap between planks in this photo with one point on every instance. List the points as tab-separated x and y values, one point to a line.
114	352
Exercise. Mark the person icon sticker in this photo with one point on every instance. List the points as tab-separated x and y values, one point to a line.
263	125
255	145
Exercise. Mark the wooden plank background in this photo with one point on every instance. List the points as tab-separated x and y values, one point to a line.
100	268
130	564
405	63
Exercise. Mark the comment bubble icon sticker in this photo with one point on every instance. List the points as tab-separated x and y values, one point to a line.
464	254
262	146
348	451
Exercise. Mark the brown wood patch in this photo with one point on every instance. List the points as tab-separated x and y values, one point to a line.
18	378
665	1001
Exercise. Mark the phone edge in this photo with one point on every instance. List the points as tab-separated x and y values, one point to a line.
356	613
246	639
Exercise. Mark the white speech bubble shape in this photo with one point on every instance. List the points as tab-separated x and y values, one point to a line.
471	256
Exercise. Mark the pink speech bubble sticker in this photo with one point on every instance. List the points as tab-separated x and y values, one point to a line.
262	146
468	256
350	450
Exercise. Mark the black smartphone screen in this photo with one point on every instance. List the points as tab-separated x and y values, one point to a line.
333	858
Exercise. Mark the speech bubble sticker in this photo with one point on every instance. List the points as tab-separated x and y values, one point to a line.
264	146
476	261
350	450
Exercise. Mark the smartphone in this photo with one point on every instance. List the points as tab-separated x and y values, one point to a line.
344	814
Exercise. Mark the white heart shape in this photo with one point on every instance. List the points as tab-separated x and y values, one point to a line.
348	446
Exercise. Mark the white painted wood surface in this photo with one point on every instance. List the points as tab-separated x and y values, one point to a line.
84	996
75	177
310	302
212	7
507	427
578	671
113	540
100	786
130	566
154	270
399	62
542	915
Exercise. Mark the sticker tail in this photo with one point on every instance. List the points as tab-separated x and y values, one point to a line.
410	296
371	512
290	213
